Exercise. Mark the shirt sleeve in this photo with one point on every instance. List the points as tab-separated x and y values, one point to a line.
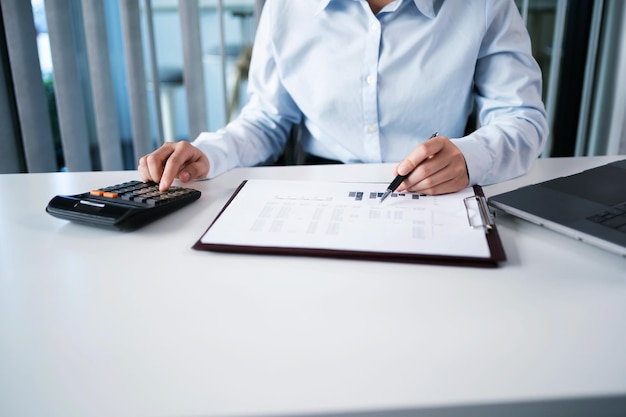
512	120
258	135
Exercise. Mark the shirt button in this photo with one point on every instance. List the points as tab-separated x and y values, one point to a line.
370	79
372	128
374	26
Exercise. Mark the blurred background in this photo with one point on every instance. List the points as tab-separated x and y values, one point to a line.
93	85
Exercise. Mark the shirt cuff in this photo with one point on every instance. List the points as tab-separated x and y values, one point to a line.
216	151
477	158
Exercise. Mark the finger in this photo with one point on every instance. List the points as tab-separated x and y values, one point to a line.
186	163
418	155
443	173
197	167
142	167
175	163
442	182
421	154
447	187
151	166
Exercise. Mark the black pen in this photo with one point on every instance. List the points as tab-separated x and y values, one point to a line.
398	180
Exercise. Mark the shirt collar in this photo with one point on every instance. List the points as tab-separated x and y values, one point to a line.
426	7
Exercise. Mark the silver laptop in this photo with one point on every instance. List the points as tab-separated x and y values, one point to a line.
588	206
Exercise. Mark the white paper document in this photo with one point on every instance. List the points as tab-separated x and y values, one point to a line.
348	217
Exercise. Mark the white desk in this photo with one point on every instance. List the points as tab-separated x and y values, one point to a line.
102	323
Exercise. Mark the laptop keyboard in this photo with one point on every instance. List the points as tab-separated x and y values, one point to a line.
615	218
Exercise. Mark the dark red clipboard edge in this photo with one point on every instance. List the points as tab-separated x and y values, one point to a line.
493	240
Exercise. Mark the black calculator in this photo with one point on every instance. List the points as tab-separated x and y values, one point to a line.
124	206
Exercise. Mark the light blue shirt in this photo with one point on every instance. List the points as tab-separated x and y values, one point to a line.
370	88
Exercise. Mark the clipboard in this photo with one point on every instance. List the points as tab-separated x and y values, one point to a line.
345	220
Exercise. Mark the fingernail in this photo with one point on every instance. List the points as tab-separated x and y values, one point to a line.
185	176
403	169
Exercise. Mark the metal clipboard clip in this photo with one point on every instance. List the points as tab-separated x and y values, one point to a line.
485	217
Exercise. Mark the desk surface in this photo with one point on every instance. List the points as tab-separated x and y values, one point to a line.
102	323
